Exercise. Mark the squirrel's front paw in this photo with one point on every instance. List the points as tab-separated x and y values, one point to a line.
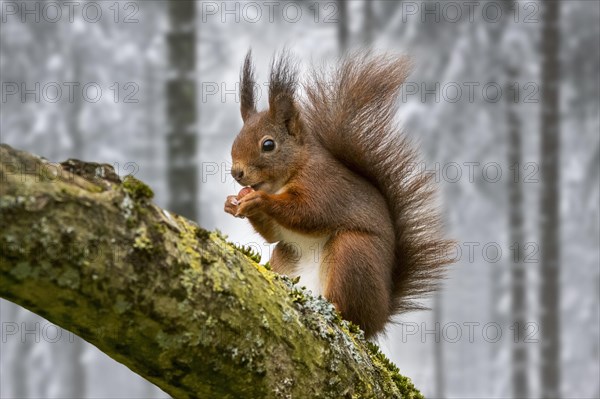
231	205
251	204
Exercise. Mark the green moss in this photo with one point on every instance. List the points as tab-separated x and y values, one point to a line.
142	241
202	234
121	305
266	272
403	383
165	306
21	271
136	189
69	278
298	296
248	251
188	246
8	201
353	328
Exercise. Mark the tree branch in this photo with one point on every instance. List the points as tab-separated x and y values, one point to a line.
175	303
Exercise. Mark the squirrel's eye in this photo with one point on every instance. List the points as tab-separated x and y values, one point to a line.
268	145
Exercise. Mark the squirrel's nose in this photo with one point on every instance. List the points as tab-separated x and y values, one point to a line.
237	173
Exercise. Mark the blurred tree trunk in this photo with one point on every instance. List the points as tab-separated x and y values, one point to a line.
181	109
71	373
175	303
498	55
550	202
516	227
342	25
368	23
512	55
75	108
151	149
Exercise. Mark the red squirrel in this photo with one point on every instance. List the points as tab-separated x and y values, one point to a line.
331	178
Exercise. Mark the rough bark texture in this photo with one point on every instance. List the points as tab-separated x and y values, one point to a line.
175	303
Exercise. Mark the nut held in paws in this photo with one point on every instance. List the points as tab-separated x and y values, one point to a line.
244	191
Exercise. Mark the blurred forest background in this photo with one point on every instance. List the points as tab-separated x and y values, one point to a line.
504	101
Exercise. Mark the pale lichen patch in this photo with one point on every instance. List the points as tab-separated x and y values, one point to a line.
142	241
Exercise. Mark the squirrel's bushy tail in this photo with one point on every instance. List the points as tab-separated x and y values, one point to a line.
351	111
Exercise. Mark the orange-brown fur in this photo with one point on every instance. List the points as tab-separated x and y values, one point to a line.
341	170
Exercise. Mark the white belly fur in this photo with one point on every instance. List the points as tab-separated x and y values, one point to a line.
311	255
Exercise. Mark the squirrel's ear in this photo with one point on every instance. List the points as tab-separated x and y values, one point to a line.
282	88
248	105
283	110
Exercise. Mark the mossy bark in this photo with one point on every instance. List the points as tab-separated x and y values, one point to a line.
175	303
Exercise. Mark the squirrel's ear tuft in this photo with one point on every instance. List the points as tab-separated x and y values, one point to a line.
247	100
282	89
